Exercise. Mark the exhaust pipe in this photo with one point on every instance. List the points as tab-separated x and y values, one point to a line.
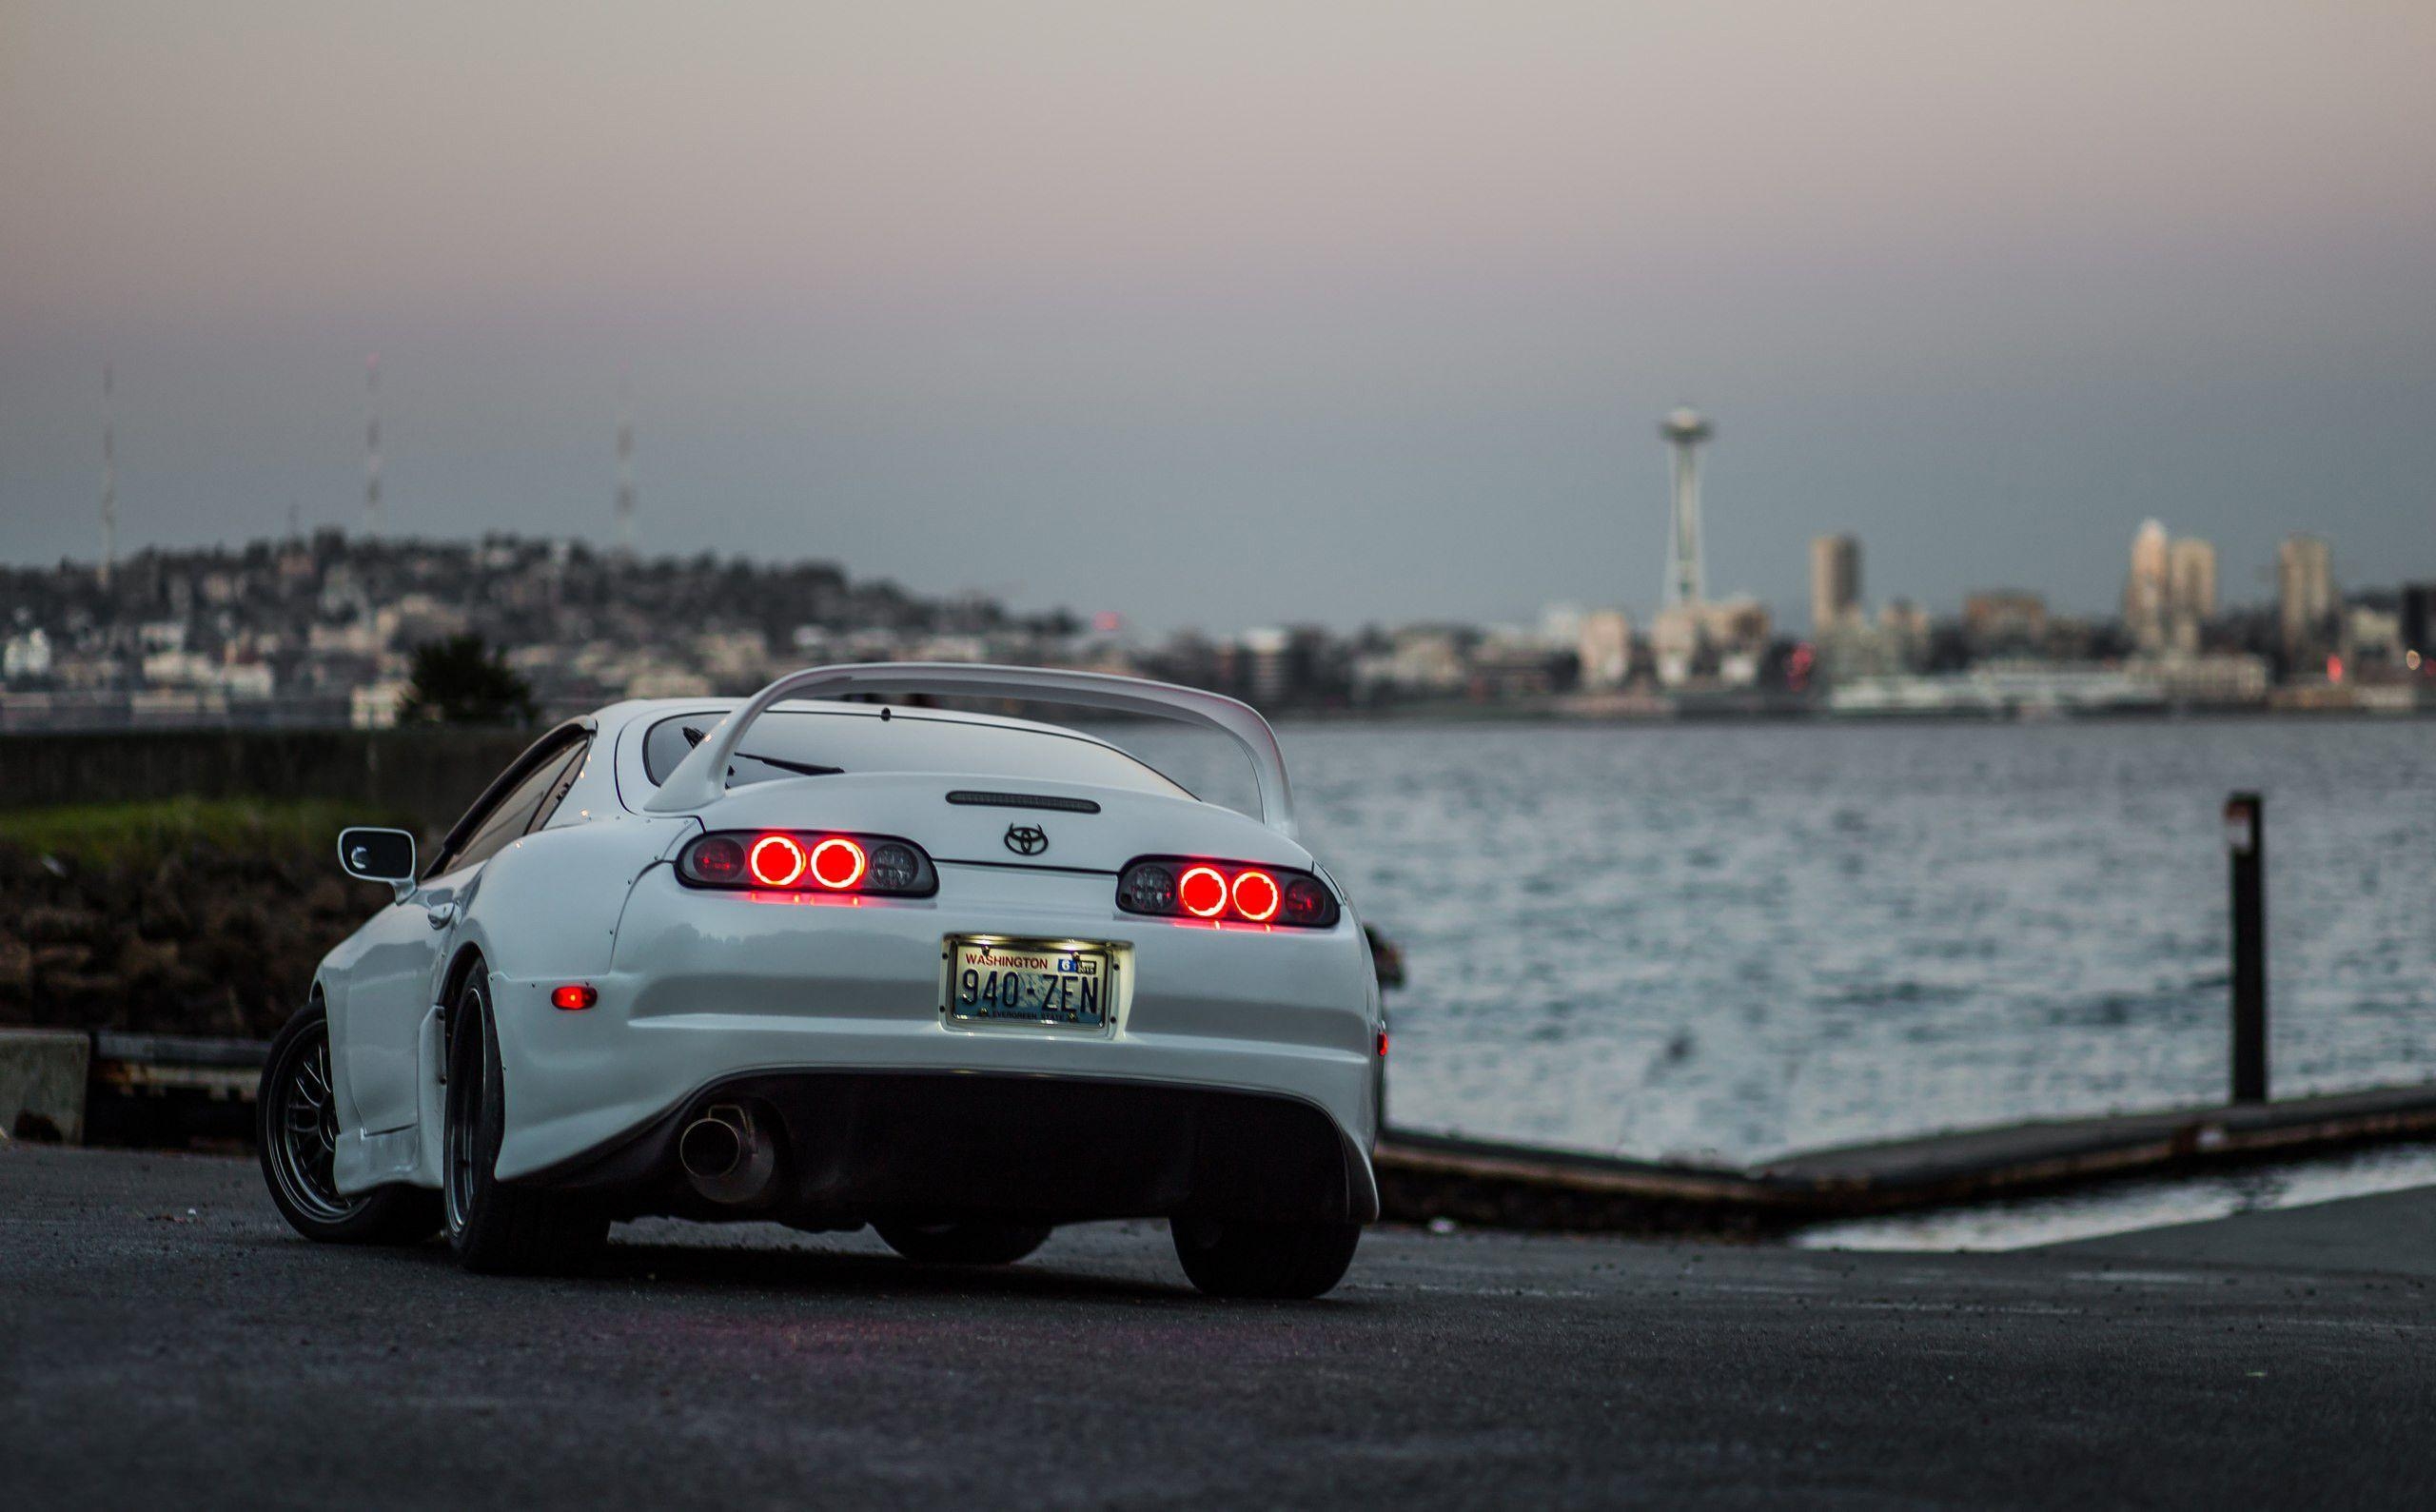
727	1155
709	1148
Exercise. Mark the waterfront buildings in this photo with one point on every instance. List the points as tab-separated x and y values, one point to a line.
2004	621
2190	592
1605	649
320	631
2304	596
297	631
2145	587
1909	626
2371	637
1857	649
2170	594
2419	627
2216	681
1416	661
1722	643
1835	583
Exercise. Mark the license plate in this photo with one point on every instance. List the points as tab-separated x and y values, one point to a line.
1062	984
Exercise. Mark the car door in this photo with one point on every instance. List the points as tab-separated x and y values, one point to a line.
378	1026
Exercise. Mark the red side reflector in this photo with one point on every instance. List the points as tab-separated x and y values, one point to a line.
1383	1044
573	997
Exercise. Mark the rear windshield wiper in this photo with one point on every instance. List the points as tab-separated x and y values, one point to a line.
810	769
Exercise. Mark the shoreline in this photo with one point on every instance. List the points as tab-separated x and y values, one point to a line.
1555	710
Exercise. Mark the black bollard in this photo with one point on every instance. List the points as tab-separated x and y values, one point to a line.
2246	840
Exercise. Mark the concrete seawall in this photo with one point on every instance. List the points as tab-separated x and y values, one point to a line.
1426	1176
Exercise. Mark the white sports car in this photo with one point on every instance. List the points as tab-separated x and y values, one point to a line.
833	963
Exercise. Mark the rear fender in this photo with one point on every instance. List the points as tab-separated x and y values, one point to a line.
542	911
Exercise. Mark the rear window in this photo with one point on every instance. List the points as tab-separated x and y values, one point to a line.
785	741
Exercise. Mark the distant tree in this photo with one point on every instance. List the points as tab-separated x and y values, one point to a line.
462	681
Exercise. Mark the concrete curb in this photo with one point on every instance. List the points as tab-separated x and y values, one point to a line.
42	1084
1426	1176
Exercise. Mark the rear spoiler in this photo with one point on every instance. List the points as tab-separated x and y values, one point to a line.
700	779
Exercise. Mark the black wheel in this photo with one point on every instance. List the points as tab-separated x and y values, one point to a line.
496	1228
953	1244
296	1130
1264	1260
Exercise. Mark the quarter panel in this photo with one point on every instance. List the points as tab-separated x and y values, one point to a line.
549	903
545	910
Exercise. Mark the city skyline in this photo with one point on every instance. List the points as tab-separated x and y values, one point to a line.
1359	317
2171	588
323	629
617	527
2173	580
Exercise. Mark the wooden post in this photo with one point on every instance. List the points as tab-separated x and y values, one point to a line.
2246	840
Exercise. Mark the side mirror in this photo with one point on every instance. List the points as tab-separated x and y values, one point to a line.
379	855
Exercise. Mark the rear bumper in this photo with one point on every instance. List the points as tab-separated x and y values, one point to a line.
857	1145
709	990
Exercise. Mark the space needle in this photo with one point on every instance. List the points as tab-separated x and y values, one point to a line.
1685	430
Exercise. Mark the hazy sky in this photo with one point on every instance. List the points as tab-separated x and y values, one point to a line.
1236	313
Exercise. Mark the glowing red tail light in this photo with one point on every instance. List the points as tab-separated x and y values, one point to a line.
1255	895
839	863
1202	891
1222	890
795	861
776	861
573	997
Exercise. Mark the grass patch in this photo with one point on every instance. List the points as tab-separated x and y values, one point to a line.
113	834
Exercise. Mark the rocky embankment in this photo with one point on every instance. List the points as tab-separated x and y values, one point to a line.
198	940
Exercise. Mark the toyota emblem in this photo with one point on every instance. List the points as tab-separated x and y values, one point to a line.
1027	840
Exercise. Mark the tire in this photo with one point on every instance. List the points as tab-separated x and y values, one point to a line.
964	1243
495	1228
296	1132
1287	1261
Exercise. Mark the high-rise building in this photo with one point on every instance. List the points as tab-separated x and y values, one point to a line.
2190	587
2190	590
2305	594
1835	583
2146	590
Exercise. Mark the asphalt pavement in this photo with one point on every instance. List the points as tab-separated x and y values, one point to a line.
165	1339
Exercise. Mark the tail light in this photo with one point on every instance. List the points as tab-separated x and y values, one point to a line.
1185	887
793	861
